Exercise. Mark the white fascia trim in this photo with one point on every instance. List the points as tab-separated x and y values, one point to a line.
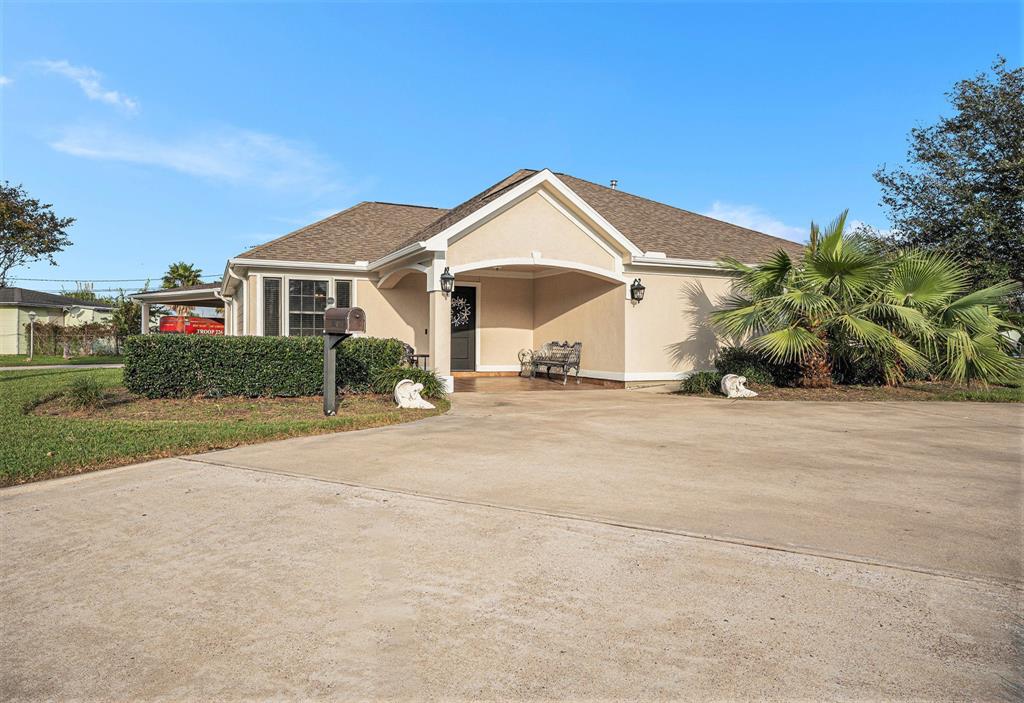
162	295
664	262
413	248
317	265
494	368
440	240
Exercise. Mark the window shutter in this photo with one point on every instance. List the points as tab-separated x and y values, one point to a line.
343	294
271	307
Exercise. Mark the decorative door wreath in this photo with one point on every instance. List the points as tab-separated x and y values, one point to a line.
460	311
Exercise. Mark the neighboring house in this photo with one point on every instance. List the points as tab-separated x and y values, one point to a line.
538	256
16	303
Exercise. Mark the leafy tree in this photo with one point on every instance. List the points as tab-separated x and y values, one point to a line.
847	304
84	290
29	230
182	274
962	193
126	317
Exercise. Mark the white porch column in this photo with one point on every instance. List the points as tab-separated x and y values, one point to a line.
145	318
439	324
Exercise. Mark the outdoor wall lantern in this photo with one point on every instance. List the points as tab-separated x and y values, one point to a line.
636	291
447	281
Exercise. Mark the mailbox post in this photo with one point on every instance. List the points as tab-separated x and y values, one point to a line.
339	325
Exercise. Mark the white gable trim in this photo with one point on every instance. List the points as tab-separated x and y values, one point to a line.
440	241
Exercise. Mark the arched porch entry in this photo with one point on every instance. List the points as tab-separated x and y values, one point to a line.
500	307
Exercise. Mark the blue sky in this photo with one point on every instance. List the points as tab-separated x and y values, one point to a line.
193	131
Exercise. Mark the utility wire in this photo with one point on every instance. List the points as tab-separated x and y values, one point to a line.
92	280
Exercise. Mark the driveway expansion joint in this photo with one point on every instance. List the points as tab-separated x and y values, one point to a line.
559	515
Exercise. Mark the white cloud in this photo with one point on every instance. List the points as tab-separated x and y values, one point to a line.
88	79
4	80
755	218
229	155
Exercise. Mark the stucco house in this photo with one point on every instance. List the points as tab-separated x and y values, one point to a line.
17	303
538	256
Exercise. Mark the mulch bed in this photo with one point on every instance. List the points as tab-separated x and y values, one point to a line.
119	404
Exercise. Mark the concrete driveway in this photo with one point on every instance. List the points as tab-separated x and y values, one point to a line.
614	544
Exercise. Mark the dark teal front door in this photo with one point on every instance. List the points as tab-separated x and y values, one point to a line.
464	328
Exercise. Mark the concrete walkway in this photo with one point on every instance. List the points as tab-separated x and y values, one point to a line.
26	367
520	547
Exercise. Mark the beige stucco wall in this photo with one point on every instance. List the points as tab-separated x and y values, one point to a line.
669	331
533	224
400	312
575	307
505	318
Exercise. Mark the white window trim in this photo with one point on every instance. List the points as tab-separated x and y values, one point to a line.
352	290
286	328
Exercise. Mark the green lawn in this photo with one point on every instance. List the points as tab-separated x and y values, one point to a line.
46	360
34	446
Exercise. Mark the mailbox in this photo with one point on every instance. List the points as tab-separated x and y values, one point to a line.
344	321
339	324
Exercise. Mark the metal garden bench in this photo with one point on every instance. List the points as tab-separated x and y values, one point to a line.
554	355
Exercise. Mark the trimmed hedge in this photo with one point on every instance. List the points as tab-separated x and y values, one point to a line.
702	383
183	366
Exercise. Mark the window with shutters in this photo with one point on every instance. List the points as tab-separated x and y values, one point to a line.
271	307
343	294
306	303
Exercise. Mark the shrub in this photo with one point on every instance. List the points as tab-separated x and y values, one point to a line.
756	367
84	392
702	383
385	380
181	366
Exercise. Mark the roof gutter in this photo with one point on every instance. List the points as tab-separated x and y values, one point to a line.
413	248
666	262
260	263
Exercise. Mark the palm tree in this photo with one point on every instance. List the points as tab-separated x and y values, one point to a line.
846	304
182	274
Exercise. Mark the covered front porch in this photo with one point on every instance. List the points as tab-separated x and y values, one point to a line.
476	330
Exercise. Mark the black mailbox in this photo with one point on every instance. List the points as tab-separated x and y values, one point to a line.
344	321
339	324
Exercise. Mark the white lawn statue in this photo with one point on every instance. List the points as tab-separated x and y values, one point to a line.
407	395
732	386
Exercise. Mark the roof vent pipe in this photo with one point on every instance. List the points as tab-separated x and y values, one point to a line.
615	184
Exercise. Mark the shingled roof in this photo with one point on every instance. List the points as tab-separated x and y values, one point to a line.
364	232
678	233
37	298
371	230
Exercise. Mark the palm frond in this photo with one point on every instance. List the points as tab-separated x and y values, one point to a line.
739	317
831	241
968	357
788	344
923	279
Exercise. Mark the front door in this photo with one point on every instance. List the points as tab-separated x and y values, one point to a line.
464	328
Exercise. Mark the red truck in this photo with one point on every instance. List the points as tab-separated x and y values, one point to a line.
187	324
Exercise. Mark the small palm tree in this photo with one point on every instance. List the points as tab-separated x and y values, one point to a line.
182	274
845	303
